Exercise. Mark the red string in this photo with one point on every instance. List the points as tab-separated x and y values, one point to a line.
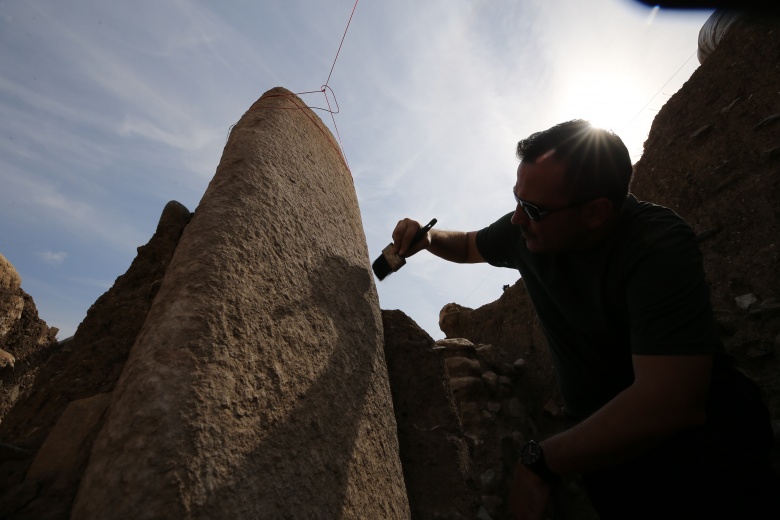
342	43
327	138
324	90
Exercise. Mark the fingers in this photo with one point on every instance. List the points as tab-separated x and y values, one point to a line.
402	238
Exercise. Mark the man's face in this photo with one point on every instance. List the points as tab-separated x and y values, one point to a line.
542	184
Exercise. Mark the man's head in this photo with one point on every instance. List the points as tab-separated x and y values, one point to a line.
572	182
597	162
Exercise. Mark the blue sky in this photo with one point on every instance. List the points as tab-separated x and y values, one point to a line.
110	109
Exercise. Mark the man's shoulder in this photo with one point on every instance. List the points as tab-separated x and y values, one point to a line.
651	234
649	221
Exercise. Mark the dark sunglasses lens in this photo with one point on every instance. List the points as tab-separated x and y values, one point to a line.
532	212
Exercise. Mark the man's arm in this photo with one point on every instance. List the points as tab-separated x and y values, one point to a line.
668	396
454	246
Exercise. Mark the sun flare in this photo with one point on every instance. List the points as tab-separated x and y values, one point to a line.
607	101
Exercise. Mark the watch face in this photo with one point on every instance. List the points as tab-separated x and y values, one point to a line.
530	453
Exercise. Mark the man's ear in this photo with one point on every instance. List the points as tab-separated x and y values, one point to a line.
597	212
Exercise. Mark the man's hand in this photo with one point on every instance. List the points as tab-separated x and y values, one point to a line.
454	246
528	496
402	237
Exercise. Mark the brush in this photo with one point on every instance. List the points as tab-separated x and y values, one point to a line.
389	262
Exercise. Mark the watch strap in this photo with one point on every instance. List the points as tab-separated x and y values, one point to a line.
532	457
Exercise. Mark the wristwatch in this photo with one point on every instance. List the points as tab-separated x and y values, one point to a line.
532	457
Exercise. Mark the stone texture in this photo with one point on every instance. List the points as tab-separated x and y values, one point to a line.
9	277
59	454
11	307
6	359
497	418
257	386
505	331
434	452
28	341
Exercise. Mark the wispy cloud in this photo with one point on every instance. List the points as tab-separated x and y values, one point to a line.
53	258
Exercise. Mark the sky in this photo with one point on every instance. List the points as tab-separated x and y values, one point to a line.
109	109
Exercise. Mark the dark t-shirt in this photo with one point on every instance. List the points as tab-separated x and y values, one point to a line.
641	291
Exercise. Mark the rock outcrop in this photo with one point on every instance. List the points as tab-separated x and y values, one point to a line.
434	449
49	433
26	342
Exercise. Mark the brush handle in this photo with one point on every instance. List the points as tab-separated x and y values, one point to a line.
422	232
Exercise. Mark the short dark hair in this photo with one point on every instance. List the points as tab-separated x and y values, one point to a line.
597	162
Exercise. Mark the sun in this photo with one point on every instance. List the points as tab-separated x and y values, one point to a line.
606	100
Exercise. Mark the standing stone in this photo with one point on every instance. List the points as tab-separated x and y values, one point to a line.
257	387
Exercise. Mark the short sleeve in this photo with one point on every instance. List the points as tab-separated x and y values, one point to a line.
496	243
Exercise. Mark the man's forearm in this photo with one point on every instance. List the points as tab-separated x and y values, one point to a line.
635	420
454	246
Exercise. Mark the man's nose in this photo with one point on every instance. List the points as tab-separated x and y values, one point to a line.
519	218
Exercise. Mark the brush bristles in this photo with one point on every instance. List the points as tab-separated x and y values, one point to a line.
387	263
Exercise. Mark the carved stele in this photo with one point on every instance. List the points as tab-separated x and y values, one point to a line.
257	387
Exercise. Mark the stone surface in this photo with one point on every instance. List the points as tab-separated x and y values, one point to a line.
11	307
497	419
434	452
60	453
257	387
509	325
26	339
9	277
6	359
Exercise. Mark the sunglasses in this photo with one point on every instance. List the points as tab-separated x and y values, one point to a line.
535	213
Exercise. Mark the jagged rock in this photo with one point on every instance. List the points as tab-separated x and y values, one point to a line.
11	307
490	379
25	338
6	359
462	366
9	277
467	388
433	449
265	320
457	346
745	301
490	355
510	327
87	365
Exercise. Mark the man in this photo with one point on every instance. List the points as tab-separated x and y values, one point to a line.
664	426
